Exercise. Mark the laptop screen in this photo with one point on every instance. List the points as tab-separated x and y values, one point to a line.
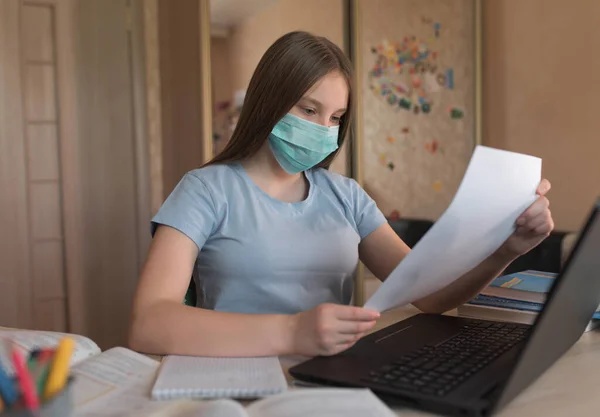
571	304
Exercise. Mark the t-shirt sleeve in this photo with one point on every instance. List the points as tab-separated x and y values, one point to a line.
367	215
190	208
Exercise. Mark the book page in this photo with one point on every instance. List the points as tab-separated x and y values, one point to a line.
210	408
27	340
115	383
330	402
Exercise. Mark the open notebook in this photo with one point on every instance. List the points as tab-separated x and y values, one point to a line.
330	402
205	377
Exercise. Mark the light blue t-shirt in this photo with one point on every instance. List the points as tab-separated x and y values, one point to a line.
261	255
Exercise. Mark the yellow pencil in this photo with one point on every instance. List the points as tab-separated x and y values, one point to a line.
59	368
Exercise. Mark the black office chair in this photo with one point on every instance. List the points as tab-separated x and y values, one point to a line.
190	296
545	257
410	230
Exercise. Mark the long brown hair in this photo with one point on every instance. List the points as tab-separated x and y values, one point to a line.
287	70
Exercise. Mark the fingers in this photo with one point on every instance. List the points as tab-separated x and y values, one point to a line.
347	339
334	350
355	314
543	187
338	327
355	327
542	223
538	207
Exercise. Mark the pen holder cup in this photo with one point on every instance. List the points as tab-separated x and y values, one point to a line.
60	405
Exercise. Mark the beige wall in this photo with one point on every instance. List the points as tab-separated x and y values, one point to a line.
541	72
249	40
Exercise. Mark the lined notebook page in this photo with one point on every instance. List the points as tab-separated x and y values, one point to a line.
204	377
330	402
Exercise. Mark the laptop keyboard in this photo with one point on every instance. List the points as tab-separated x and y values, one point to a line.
437	370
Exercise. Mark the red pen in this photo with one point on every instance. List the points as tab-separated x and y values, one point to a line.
25	381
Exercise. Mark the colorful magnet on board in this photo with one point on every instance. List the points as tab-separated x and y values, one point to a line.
437	186
450	78
390	139
416	109
456	113
441	79
432	146
426	107
391	166
405	103
416	81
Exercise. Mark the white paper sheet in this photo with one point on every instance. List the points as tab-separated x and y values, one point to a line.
27	340
115	383
330	402
196	408
497	187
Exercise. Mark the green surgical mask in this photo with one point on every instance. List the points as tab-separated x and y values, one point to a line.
298	144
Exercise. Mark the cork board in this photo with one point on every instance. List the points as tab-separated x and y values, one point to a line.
417	70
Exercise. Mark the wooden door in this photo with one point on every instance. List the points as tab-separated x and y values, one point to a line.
32	269
74	203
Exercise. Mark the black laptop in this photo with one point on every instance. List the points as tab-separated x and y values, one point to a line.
463	367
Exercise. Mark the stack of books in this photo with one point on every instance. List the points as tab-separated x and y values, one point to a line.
517	297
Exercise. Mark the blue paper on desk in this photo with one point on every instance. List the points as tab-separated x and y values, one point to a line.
529	280
491	301
529	285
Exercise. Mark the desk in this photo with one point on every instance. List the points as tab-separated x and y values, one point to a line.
568	388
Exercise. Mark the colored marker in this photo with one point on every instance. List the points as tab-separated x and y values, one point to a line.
40	375
7	389
59	368
25	381
31	364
